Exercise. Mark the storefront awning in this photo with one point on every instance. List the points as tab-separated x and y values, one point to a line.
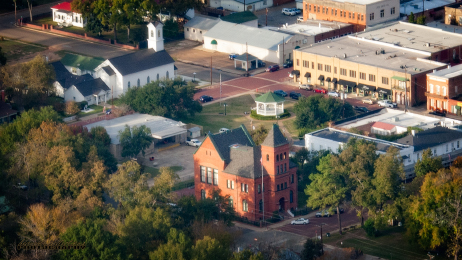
307	75
400	78
346	83
384	91
295	72
334	80
321	77
328	79
366	87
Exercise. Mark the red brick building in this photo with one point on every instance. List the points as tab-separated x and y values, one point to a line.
232	162
444	90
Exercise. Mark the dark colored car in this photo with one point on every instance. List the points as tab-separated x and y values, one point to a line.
295	95
108	111
232	56
341	211
362	109
280	93
272	68
320	90
220	8
261	64
205	98
288	64
437	113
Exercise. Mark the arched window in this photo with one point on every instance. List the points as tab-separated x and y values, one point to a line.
437	89
129	84
245	206
231	201
267	157
431	88
203	194
167	74
157	76
138	83
291	196
444	91
280	156
260	205
148	80
152	33
158	33
284	155
277	157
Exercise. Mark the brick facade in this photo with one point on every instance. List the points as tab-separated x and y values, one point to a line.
444	91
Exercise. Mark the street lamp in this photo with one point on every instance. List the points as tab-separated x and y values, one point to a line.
225	108
320	225
194	73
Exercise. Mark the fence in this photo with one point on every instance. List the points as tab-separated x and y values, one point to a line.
183	185
357	116
70	119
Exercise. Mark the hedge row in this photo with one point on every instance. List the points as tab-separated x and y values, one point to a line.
254	115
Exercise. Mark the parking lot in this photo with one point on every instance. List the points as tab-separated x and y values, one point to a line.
275	17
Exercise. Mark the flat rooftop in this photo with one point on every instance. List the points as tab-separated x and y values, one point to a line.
161	127
413	36
309	27
364	52
399	118
445	27
416	6
358	2
448	73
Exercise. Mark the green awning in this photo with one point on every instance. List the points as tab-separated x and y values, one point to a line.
297	47
214	42
400	78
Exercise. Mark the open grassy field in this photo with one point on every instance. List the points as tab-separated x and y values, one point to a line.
15	49
153	172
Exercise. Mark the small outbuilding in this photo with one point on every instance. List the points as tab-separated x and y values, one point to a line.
270	104
194	132
195	29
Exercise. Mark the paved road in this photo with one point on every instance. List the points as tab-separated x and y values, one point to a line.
202	73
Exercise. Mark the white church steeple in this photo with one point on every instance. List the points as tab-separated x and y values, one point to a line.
155	37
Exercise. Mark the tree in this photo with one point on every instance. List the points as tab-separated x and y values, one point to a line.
421	19
110	13
411	18
209	248
389	171
177	247
2	57
135	140
72	108
259	135
180	7
163	184
171	29
29	6
133	14
312	249
427	163
246	254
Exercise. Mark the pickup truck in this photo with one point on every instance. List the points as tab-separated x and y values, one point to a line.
386	103
305	86
194	142
300	221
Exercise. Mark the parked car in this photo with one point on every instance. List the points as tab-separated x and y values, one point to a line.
295	95
222	130
261	64
300	221
232	56
194	142
386	103
362	109
333	94
288	11
305	86
272	68
220	8
368	101
323	213
288	64
341	211
296	10
280	93
299	19
320	90
205	98
20	186
108	111
437	113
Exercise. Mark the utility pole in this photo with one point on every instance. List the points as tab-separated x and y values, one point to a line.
210	70
220	88
405	88
247	61
262	193
322	248
266	23
112	100
283	50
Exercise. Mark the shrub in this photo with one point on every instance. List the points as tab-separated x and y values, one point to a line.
72	108
82	104
254	115
369	228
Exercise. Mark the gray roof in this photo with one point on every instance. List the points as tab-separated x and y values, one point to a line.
108	70
91	87
431	138
194	129
243	34
140	61
275	138
245	161
67	79
452	72
224	141
202	23
248	2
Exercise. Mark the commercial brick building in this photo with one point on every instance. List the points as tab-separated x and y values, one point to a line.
453	14
362	13
231	162
444	90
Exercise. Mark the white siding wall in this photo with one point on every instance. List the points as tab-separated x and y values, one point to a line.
72	94
385	5
69	18
239	7
58	89
440	150
194	34
143	75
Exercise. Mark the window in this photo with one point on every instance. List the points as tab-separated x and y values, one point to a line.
362	75
167	75
138	83
200	32
323	9
292	178
228	184
431	88
352	74
362	17
371	16
284	155
434	152
203	195
437	89
291	196
312	65
280	156
152	32
285	185
158	33
278	187
392	10
231	202
335	70
447	148
247	188
285	167
306	64
209	175
129	84
215	177
335	12
259	188
298	62
309	8
260	205
332	11
267	157
349	15
245	207
327	68
320	66
385	80
242	187
277	157
444	91
318	9
371	77
353	15
343	72
327	10
341	13
148	80
278	169
382	13
232	185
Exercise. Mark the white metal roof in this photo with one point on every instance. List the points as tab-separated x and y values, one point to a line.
448	73
416	6
202	23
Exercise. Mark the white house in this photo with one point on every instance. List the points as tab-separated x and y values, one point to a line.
382	128
264	44
93	91
81	65
195	29
138	68
62	14
238	5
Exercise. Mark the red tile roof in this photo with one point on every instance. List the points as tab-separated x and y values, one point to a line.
63	6
384	126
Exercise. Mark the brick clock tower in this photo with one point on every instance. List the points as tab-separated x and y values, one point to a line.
232	162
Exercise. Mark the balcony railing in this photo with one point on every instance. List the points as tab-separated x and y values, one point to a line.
435	95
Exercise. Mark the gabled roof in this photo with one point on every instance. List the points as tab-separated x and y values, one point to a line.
67	79
108	70
431	138
384	126
224	141
60	71
6	110
275	138
269	97
81	62
66	6
201	23
91	87
140	61
245	161
240	17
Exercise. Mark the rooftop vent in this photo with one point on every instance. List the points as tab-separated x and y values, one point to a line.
406	31
234	146
427	44
396	43
395	119
344	56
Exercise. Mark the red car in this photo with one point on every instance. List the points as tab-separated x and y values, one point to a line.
320	90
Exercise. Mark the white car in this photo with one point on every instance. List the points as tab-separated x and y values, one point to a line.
299	19
323	213
222	130
305	86
333	94
300	221
194	142
296	10
287	11
386	103
368	101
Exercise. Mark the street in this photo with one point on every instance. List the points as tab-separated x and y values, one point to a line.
203	74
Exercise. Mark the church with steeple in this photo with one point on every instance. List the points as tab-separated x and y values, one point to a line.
259	179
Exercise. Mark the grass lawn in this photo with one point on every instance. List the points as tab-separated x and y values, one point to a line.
392	244
44	20
14	49
289	124
183	185
233	106
97	109
62	53
156	171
